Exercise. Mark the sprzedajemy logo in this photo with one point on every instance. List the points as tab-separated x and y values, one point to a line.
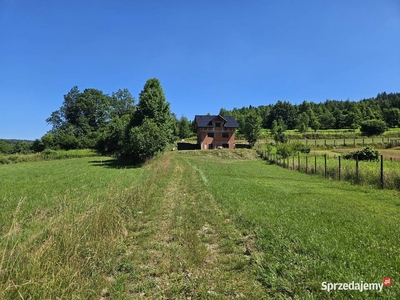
356	286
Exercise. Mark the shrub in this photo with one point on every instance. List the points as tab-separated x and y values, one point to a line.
300	147
373	127
366	154
284	149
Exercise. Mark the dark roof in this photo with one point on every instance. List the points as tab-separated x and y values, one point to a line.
204	121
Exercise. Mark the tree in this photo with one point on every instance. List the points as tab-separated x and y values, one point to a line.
38	146
152	104
302	122
373	127
185	128
81	118
122	103
392	116
5	147
151	127
112	139
286	111
251	127
278	131
145	141
327	120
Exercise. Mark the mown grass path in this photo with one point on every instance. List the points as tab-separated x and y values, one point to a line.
184	246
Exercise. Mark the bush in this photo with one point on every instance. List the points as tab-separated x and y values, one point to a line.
300	147
284	150
373	127
366	154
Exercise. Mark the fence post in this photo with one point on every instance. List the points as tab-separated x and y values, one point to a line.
306	164
325	165
315	164
344	142
357	173
298	162
382	172
306	142
340	166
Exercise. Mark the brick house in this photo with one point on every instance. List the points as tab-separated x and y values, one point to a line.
215	131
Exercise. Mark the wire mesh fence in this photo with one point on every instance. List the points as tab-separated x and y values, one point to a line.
384	173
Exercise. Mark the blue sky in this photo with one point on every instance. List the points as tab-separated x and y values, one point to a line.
207	54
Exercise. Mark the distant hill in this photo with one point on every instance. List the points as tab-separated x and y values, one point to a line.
14	141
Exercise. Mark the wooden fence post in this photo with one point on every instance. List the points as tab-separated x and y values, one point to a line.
315	164
306	164
382	183
340	166
298	162
357	171
325	171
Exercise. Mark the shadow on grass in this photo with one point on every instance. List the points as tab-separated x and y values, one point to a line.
115	163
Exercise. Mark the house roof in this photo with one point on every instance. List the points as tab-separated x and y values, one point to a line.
204	121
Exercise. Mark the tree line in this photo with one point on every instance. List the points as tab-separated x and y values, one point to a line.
331	114
115	124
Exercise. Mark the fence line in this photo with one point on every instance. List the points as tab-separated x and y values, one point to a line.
384	174
348	141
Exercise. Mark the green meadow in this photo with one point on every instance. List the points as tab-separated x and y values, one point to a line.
191	224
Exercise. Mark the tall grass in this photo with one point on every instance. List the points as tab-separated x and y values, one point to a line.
62	225
368	172
46	155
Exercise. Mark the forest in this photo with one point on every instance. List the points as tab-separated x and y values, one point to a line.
331	114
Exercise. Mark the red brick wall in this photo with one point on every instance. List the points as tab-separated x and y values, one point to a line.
217	141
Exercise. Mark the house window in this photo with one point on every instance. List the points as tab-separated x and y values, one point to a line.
210	134
225	145
218	124
225	134
210	146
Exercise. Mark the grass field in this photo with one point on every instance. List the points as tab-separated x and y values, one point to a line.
190	224
47	154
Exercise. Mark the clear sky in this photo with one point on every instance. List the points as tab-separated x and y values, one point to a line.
207	54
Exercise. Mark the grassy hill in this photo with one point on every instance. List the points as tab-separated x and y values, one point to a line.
199	224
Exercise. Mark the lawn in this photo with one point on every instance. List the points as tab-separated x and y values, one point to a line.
308	230
190	224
